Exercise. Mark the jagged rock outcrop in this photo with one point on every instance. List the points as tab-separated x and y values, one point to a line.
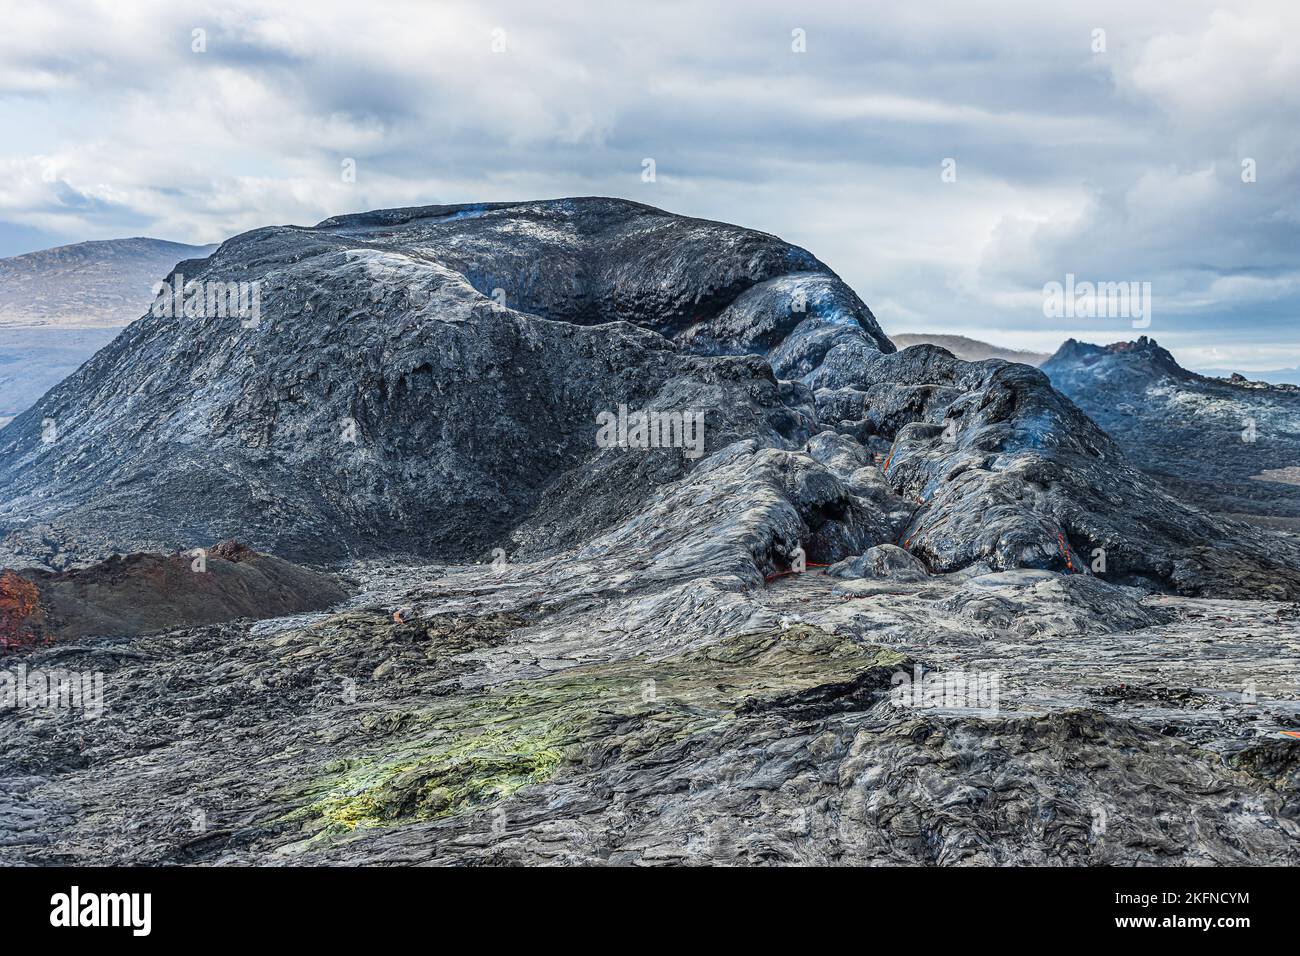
1006	472
387	401
882	561
1228	445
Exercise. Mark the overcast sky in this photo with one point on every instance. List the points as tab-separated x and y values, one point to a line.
1118	165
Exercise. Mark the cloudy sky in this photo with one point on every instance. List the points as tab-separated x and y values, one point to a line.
1115	164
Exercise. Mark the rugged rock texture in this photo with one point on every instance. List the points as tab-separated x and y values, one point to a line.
1005	472
144	593
636	676
383	327
1229	445
352	738
428	381
882	561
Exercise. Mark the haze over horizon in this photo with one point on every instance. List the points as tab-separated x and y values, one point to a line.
1117	164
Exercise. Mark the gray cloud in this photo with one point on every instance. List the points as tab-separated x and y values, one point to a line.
1123	164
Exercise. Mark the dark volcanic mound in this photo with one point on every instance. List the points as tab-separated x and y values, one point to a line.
466	403
428	381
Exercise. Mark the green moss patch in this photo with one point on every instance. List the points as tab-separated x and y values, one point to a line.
468	753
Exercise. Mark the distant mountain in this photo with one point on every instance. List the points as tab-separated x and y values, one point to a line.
970	350
101	284
1227	444
60	306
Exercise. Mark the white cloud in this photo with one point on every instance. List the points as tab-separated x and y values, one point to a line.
1124	164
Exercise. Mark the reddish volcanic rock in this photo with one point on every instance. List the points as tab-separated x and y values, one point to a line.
19	602
145	593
